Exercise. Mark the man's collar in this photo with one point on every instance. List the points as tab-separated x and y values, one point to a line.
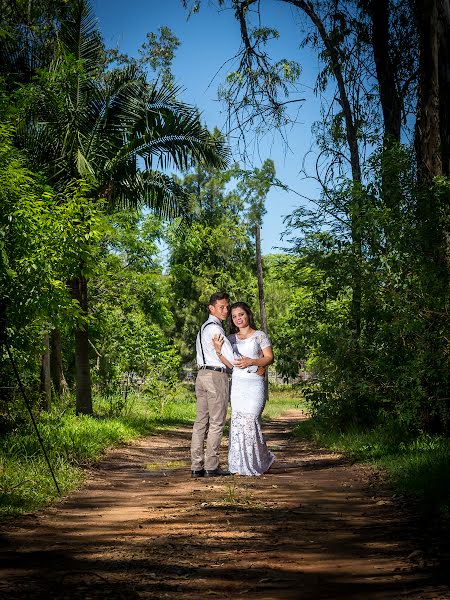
214	319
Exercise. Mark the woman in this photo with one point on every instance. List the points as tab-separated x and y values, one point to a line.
248	453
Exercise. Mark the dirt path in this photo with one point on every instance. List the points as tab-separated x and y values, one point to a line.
142	529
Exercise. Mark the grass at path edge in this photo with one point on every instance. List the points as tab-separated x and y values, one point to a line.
75	442
417	466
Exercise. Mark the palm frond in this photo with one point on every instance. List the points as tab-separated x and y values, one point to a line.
105	126
79	36
160	192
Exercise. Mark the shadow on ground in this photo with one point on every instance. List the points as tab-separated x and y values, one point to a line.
312	528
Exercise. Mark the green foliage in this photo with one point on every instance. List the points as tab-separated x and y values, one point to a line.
398	366
105	138
129	299
309	317
43	235
131	345
159	51
213	252
253	187
83	121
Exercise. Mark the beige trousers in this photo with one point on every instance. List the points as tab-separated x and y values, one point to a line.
212	389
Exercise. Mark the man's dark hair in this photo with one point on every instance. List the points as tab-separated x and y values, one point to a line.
218	296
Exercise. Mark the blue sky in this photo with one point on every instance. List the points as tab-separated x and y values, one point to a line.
208	40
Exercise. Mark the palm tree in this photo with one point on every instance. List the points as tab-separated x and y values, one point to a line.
115	131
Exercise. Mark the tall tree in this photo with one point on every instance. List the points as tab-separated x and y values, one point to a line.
393	50
130	297
432	145
432	135
85	123
262	91
40	244
254	186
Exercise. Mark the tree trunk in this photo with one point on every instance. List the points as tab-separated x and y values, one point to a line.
391	102
444	84
335	64
82	369
432	135
262	301
259	270
59	381
46	381
432	144
432	138
352	141
428	136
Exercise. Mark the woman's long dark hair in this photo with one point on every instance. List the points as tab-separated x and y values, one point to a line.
246	307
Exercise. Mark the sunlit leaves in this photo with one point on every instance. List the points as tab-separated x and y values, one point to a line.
130	298
159	51
44	235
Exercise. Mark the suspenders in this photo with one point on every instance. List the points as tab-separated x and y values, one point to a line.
200	339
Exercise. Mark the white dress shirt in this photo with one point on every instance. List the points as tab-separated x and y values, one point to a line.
211	327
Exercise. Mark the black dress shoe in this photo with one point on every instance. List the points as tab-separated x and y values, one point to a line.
217	473
200	473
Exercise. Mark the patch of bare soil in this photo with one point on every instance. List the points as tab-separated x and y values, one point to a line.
315	527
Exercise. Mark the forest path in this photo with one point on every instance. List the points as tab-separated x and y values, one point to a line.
316	527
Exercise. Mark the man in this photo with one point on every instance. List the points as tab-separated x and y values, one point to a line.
212	389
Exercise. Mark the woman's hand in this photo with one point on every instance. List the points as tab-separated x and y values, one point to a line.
243	362
261	371
218	341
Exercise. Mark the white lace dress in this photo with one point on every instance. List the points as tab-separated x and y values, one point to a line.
248	453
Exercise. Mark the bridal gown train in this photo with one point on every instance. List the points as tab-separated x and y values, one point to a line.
248	453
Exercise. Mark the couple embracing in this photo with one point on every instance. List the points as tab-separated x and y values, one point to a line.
244	354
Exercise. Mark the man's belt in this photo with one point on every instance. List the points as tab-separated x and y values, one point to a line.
221	369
